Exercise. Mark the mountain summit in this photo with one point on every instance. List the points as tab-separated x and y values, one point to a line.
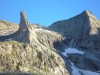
88	13
77	27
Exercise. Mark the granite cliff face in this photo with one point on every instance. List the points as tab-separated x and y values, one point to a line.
67	47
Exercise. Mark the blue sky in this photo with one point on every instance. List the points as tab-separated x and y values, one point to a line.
45	12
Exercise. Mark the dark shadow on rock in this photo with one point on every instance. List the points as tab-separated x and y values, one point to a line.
8	37
60	46
91	44
17	74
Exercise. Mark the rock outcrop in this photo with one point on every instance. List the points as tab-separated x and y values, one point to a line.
83	33
33	49
25	51
25	33
84	28
77	27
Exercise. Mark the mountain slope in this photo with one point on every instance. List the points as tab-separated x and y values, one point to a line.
68	47
7	27
81	25
25	51
83	32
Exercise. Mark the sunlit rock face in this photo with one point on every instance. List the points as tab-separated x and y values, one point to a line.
25	52
26	32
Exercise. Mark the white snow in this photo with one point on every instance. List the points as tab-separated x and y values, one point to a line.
38	29
75	70
43	30
89	72
72	51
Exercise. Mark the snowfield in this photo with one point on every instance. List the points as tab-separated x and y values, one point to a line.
75	70
72	51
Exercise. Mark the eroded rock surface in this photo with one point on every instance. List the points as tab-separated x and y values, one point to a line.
31	48
83	32
27	51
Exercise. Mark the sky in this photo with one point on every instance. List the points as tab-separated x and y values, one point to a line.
46	12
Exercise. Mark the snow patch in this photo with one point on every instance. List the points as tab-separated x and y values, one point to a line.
43	30
72	51
76	71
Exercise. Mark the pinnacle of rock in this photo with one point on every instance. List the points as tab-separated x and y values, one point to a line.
23	21
26	32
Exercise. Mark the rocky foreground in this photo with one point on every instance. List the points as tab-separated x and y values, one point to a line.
30	50
67	47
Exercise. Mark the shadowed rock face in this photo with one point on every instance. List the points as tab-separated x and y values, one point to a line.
16	74
83	27
77	27
83	32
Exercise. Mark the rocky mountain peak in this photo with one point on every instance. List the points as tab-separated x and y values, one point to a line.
81	26
88	14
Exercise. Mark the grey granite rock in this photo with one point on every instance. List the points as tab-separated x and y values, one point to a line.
83	32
